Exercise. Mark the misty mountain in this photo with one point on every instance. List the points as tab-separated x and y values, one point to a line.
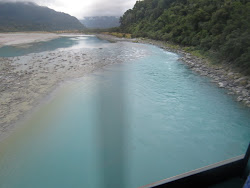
26	16
101	22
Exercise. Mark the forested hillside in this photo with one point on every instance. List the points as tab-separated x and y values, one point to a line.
24	16
221	27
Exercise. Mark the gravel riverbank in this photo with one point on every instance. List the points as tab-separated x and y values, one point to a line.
26	80
18	39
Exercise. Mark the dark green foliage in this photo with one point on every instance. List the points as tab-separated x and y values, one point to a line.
220	26
24	16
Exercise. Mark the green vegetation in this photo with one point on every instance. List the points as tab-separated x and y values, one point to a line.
120	35
218	28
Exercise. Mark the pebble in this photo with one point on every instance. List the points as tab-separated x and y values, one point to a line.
237	85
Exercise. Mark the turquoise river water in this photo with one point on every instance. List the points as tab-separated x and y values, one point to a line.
127	125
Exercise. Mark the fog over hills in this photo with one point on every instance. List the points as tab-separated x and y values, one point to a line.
101	22
27	16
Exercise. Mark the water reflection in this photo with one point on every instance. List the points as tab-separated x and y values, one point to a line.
112	130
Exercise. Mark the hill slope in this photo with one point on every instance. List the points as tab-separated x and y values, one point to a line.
221	27
101	22
31	17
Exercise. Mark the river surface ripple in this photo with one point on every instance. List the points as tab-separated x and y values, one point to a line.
144	118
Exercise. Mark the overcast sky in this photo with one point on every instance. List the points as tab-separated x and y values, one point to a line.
81	8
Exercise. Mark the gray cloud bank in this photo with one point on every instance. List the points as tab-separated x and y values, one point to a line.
82	8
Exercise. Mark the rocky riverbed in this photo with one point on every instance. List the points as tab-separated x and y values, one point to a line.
235	83
25	80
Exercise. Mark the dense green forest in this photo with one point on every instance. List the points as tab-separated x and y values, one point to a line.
26	16
220	28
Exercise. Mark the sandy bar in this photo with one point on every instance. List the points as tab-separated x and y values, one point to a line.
15	39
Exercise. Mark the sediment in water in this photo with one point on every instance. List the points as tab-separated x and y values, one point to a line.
25	80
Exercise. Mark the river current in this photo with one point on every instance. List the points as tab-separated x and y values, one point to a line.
142	119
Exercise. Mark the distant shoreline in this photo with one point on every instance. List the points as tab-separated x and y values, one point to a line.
21	38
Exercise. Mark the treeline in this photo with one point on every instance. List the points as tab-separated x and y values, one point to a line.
221	27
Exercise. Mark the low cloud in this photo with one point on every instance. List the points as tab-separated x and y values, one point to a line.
82	8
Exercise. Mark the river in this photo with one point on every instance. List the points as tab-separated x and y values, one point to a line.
140	120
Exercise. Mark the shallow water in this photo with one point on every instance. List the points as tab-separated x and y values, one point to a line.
72	42
128	125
